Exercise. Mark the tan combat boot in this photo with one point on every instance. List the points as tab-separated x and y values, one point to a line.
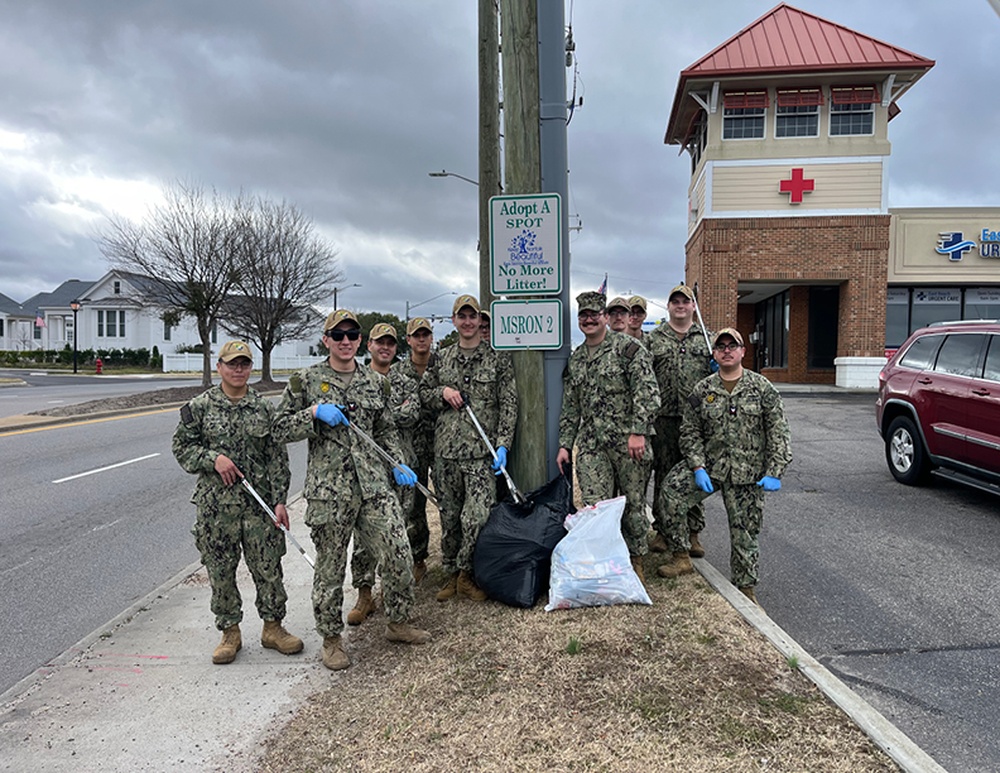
449	589
406	633
231	643
467	587
697	550
747	590
334	656
658	544
419	571
363	607
275	637
637	566
678	565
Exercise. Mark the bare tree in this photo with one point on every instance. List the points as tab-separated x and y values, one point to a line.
185	249
283	268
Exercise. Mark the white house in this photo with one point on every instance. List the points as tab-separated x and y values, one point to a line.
115	313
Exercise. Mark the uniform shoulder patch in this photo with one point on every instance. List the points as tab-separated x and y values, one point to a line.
631	349
187	417
693	400
295	382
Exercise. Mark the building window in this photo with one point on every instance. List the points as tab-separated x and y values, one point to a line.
110	324
980	303
743	115
935	304
215	334
852	110
897	317
1	327
118	288
167	327
797	113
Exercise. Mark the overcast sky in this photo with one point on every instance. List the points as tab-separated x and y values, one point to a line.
342	108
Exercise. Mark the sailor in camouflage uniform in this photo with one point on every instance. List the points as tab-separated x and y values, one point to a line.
405	406
681	358
463	470
420	337
347	483
224	434
734	437
609	399
636	316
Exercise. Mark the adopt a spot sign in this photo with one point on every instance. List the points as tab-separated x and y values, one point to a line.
526	244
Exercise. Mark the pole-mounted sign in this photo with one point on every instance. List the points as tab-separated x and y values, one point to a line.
526	244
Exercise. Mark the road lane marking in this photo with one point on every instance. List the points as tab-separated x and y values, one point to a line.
62	425
105	469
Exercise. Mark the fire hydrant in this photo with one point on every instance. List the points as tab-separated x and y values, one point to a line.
99	364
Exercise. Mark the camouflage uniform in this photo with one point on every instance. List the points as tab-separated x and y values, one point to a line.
228	518
422	437
347	487
463	475
406	412
679	364
607	396
738	438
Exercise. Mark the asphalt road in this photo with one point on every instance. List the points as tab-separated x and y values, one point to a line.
76	551
894	589
53	389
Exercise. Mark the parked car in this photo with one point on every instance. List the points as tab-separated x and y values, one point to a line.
938	406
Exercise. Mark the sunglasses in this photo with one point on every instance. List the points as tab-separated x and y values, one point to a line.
338	335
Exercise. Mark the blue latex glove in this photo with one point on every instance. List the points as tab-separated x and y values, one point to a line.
501	460
769	484
331	414
713	365
703	480
404	476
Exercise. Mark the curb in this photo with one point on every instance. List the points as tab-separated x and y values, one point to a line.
889	738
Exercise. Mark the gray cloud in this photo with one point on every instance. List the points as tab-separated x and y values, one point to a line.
342	108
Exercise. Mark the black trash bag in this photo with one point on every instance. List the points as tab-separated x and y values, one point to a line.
514	551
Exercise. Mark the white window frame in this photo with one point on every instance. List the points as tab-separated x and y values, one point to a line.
742	115
105	323
850	110
803	97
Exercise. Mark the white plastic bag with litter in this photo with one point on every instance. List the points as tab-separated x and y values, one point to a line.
591	565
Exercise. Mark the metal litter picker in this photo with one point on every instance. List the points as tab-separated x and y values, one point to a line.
388	457
270	512
514	492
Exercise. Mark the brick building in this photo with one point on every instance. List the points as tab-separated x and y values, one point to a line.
789	231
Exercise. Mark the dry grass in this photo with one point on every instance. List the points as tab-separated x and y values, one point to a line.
685	684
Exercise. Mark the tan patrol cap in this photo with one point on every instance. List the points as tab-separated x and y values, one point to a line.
382	329
338	316
465	300
684	290
231	350
618	301
418	323
637	300
728	331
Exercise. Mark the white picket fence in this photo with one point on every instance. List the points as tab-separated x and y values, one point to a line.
191	363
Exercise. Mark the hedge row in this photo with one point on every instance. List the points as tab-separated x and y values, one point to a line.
137	358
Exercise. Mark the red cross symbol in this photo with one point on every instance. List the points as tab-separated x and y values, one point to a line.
796	186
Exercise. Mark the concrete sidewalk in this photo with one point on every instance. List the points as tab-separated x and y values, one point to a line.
141	693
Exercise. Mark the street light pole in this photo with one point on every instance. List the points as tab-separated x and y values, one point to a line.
75	305
445	173
421	303
338	289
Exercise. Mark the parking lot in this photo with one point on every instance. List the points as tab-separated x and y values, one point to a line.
893	588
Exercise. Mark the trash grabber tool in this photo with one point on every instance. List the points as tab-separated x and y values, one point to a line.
270	512
518	496
704	329
388	457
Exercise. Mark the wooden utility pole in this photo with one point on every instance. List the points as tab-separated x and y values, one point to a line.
522	173
489	136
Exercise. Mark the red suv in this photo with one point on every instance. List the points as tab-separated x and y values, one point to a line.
938	406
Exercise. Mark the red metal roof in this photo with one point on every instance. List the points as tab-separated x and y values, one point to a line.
786	39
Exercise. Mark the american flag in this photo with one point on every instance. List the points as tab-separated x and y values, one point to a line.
604	285
39	320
